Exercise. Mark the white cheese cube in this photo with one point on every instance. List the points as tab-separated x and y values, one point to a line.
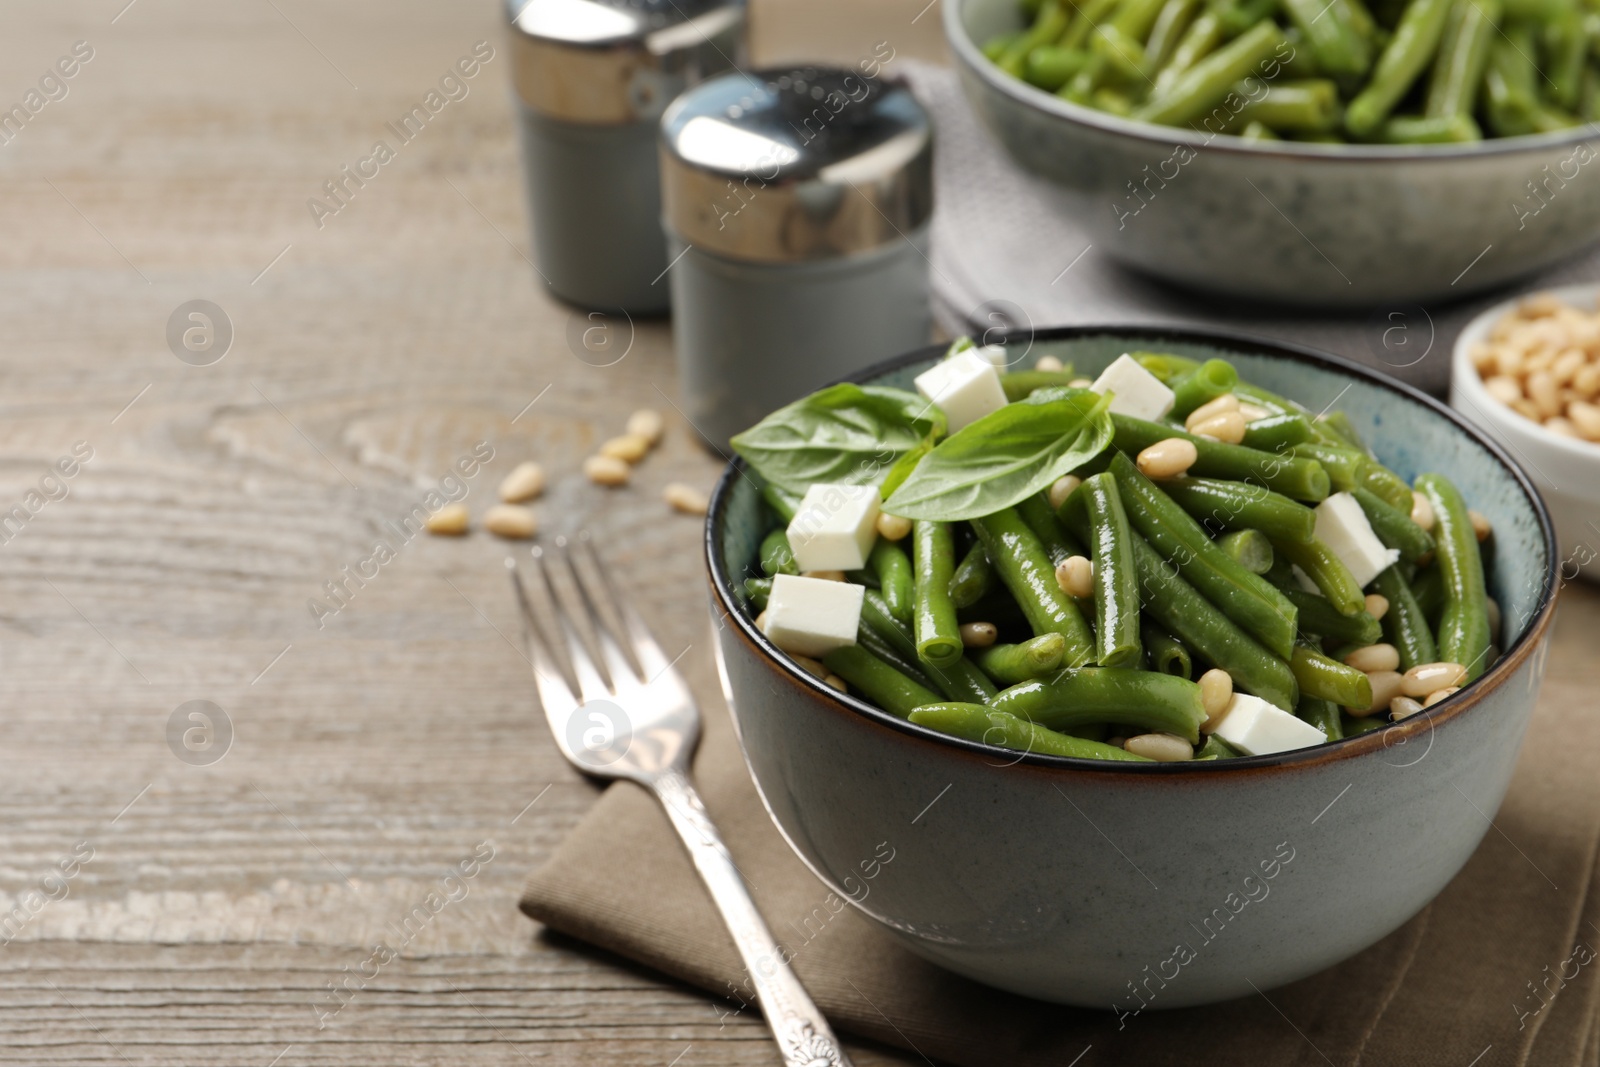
812	616
1343	527
834	527
1257	728
966	388
1139	393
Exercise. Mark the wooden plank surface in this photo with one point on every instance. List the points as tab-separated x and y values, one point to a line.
211	906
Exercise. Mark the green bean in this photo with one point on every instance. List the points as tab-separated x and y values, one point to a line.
1202	37
1019	383
1020	561
1321	678
1256	130
1302	479
1240	15
1088	17
759	591
1166	652
881	647
1300	64
1404	624
1387	486
1343	464
1135	19
988	726
1050	24
938	634
1463	56
1208	633
1305	106
1464	624
1247	598
1327	571
1566	47
877	681
1323	714
1209	81
1112	100
1319	617
776	555
1116	586
1510	82
1415	41
1394	527
1536	10
1354	727
1416	129
1170	26
1037	657
1167	367
1340	430
1122	53
973	578
781	501
1428	589
1141	699
1050	67
996	46
1216	748
1201	386
1276	432
1240	505
888	561
960	680
1330	32
1041	519
1251	549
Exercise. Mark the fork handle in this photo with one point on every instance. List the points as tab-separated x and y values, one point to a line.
800	1029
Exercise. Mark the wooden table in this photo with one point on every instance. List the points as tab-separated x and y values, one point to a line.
213	902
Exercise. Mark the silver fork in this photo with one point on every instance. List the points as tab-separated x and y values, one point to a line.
643	725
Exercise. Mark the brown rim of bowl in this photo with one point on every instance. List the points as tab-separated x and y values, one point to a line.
967	51
1384	737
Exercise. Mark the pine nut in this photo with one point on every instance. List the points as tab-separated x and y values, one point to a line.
1421	510
606	470
1117	741
1049	363
1081	383
1377	605
1252	412
893	527
630	447
1585	418
1494	619
1504	389
451	520
1567	365
1216	693
1215	406
1168	458
511	521
525	482
1539	305
979	634
825	576
646	423
1400	707
1075	576
835	682
685	498
1062	488
1563	427
1378	657
1545	393
1587	381
812	666
1227	427
1481	527
1439	694
761	622
1385	687
1426	678
1163	748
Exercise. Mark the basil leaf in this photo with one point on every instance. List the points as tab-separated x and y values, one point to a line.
845	434
1004	457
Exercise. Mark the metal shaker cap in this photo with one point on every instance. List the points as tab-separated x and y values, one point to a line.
793	164
610	62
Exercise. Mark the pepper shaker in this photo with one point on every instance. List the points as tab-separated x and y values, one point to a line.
796	203
592	78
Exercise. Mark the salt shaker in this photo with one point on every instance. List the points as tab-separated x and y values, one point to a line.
796	203
592	78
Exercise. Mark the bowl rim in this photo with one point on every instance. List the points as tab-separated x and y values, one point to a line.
1465	378
1385	737
971	58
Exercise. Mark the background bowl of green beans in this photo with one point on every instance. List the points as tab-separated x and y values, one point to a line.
1119	885
1241	147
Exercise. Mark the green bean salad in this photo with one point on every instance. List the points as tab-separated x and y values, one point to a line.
1165	563
1399	72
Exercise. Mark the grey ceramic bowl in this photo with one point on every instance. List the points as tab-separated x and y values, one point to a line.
1315	225
1120	885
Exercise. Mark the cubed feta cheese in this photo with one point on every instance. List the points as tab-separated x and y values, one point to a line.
812	616
966	388
834	527
1343	527
1257	728
1137	392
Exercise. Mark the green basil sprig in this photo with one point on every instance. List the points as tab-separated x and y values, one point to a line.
1006	456
846	434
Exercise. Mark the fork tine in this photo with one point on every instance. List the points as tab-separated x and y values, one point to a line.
554	693
652	660
618	664
590	683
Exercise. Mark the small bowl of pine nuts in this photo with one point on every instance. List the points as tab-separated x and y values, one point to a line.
1528	372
